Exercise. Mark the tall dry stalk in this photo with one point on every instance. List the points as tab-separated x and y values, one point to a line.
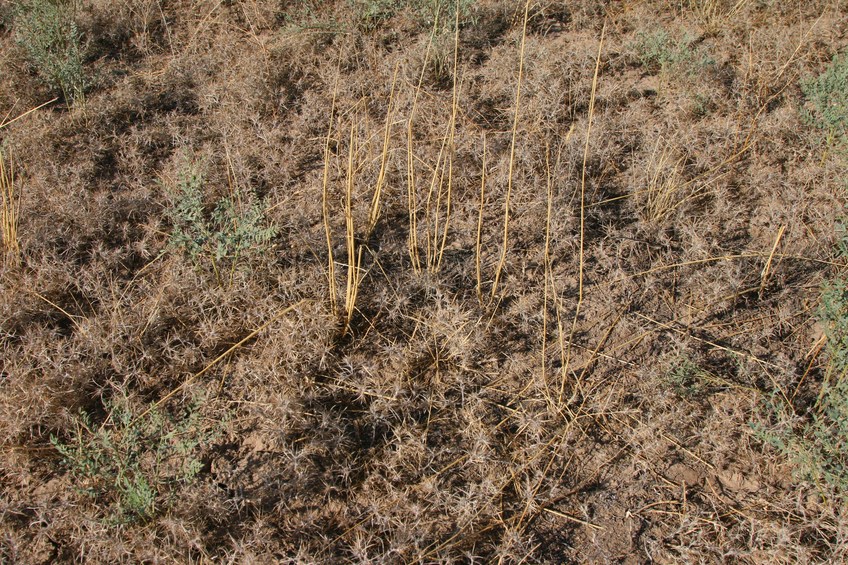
505	243
353	258
480	225
374	213
439	201
411	189
451	147
412	200
431	209
547	260
583	212
331	265
9	213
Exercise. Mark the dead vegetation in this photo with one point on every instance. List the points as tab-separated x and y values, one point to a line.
440	282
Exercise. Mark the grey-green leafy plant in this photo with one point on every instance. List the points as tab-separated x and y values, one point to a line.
370	14
828	100
816	442
439	14
659	51
132	465
47	31
686	378
306	15
235	228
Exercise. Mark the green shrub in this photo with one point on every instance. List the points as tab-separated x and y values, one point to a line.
827	95
47	31
235	228
132	465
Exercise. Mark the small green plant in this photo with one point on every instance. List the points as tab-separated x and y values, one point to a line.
235	228
701	105
435	14
133	464
816	443
307	15
47	31
659	51
686	378
370	14
828	101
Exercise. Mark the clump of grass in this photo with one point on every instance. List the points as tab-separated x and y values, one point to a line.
47	31
438	202
236	227
828	101
714	14
10	207
132	465
372	13
355	243
701	105
817	448
443	12
308	16
664	183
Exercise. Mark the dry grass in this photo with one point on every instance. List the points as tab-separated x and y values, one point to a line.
664	183
715	15
524	303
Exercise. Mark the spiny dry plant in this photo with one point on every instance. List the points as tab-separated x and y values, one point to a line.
394	281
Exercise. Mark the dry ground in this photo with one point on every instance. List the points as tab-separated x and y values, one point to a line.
668	236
